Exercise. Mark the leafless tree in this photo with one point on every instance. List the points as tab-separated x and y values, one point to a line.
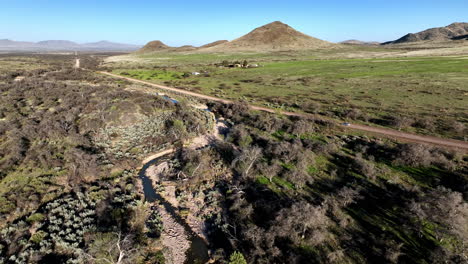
120	250
302	221
346	196
415	155
401	122
245	161
447	209
364	167
270	170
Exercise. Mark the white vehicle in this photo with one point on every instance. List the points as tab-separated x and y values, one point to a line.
346	124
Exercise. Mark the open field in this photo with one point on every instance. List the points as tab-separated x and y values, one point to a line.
424	94
457	144
10	63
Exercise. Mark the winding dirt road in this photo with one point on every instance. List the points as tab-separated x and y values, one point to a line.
407	137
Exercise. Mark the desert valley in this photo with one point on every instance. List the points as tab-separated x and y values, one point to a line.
274	147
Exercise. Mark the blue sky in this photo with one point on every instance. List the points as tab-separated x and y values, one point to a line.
198	22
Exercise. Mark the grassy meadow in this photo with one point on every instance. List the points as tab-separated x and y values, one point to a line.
431	92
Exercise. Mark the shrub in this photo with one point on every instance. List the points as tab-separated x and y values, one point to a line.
37	217
364	167
415	155
38	237
237	258
401	122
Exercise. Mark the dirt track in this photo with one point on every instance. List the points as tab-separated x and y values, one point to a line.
408	137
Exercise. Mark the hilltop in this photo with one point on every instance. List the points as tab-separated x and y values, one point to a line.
275	36
159	46
453	31
153	46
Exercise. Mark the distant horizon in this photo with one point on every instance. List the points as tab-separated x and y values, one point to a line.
142	44
191	23
80	43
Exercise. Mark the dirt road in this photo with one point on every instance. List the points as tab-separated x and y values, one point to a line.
408	137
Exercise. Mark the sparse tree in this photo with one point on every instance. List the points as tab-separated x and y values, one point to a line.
302	221
245	161
270	170
118	250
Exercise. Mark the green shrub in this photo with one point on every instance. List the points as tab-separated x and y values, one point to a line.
38	237
37	217
237	258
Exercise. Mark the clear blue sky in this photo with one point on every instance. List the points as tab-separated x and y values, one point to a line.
197	22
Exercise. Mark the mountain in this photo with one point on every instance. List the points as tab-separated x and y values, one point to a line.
275	36
359	42
212	44
159	46
110	46
154	46
185	48
58	44
11	43
450	32
63	45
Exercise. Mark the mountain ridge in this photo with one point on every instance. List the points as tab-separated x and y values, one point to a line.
64	45
437	34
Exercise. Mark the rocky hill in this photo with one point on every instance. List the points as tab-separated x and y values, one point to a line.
153	46
275	36
453	31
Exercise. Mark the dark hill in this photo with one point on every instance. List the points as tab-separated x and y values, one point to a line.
451	32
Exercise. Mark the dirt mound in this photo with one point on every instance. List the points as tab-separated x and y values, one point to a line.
212	44
450	32
153	46
275	36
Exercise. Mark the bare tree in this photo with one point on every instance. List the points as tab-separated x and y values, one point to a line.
302	221
364	167
119	251
270	170
415	155
245	161
401	122
346	196
447	209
